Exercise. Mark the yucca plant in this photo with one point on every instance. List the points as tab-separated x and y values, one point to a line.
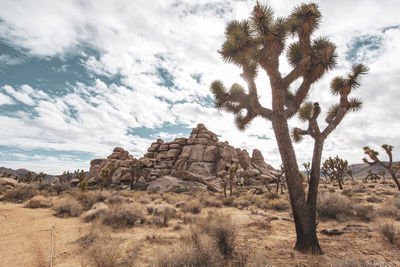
257	43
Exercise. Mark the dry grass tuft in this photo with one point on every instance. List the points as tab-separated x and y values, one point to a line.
279	204
200	252
193	206
123	216
67	207
390	231
96	212
38	202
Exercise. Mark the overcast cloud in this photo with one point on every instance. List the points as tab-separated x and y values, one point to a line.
78	78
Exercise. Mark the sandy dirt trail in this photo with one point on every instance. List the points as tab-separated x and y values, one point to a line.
24	243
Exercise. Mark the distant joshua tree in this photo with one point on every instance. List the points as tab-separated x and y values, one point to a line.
257	43
335	168
40	177
307	168
372	176
393	168
135	169
232	174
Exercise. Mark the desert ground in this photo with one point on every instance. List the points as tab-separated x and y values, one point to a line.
251	228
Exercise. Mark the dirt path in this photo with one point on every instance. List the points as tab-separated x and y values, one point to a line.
23	243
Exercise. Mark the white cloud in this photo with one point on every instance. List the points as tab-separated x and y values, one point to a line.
19	96
5	100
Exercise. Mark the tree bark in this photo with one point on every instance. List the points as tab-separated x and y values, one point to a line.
395	179
305	225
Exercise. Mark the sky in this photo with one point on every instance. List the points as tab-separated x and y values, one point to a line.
80	77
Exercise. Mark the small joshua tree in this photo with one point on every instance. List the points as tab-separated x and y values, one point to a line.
28	177
105	174
232	174
65	177
335	168
258	43
393	168
307	168
81	175
135	170
40	177
372	176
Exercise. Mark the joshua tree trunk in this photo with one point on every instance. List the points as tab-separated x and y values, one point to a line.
230	186
307	240
396	180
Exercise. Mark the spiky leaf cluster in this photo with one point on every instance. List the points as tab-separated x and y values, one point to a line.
304	18
306	111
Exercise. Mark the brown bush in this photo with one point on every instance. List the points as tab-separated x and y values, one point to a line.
67	207
87	199
334	206
200	252
364	213
108	254
96	212
97	232
20	193
193	206
221	228
38	202
389	209
272	195
162	214
390	231
122	216
279	204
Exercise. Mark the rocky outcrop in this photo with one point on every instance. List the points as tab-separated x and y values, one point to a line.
199	159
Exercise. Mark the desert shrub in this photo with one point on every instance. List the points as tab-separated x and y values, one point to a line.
279	204
61	187
118	200
67	207
365	213
193	206
46	186
108	254
162	214
38	202
272	195
200	252
97	211
355	263
221	228
211	201
96	233
20	193
390	231
122	216
333	206
228	201
396	203
248	257
360	189
87	199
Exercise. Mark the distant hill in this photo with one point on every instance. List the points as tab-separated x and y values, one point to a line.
23	172
360	170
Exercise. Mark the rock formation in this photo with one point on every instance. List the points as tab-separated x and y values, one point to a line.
200	160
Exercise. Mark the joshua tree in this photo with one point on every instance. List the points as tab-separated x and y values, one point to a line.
28	177
40	177
135	169
393	168
81	175
6	174
350	173
335	168
65	177
232	174
258	43
372	176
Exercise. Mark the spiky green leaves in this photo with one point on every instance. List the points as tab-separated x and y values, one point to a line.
325	51
296	136
332	112
304	18
338	84
219	91
355	104
306	111
262	18
294	54
238	38
353	78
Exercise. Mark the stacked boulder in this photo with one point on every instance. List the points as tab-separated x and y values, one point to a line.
118	162
200	159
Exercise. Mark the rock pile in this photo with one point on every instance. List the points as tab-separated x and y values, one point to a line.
200	159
